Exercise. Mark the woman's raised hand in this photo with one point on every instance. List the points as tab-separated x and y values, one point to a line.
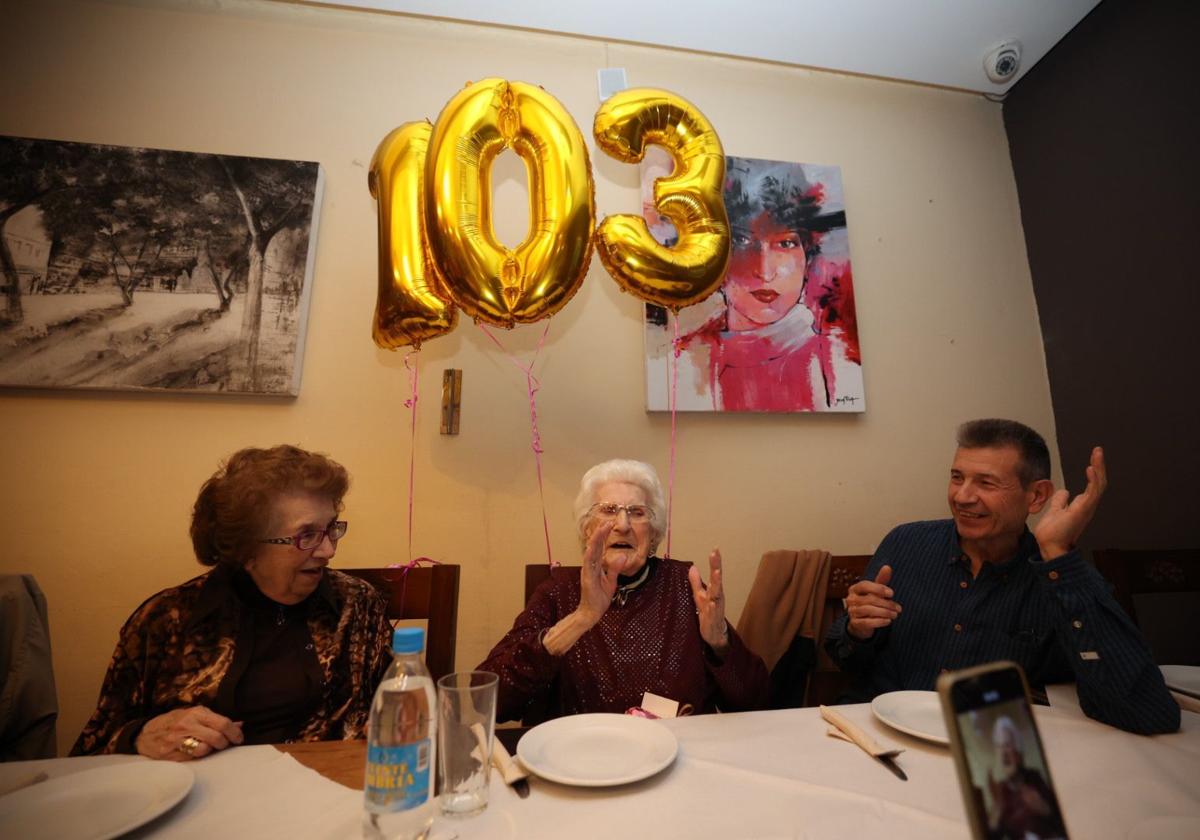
596	588
597	585
184	734
710	605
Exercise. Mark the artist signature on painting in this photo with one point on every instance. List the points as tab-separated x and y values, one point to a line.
845	400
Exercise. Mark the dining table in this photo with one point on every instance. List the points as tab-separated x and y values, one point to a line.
765	775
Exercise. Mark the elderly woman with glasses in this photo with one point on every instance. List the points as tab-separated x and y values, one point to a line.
628	624
270	645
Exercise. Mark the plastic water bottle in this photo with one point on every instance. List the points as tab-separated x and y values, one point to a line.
401	740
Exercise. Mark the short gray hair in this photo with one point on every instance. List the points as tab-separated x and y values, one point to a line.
637	473
995	433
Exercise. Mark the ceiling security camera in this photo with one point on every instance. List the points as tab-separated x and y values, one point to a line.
1002	63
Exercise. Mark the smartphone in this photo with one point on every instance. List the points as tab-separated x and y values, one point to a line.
1002	769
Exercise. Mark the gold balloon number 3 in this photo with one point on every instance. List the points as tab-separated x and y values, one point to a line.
446	253
691	198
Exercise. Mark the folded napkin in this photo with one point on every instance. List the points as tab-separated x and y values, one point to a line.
852	732
1186	703
511	771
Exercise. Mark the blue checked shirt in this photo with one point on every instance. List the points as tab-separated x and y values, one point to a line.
1057	619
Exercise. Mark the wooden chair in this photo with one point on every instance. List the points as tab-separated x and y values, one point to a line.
1161	592
429	592
536	573
826	682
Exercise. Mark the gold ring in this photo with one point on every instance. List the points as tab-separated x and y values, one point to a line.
188	745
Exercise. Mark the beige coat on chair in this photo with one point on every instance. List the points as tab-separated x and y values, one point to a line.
786	599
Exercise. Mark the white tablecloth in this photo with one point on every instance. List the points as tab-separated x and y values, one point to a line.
778	775
758	775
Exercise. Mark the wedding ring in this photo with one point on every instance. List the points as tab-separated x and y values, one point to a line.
188	745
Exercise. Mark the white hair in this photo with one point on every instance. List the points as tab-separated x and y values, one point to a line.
1004	725
638	474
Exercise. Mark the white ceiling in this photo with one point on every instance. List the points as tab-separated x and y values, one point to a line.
937	42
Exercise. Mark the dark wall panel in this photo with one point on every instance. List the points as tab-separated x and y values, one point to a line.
1105	142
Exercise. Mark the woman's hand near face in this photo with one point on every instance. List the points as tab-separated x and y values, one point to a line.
596	584
162	737
710	605
596	588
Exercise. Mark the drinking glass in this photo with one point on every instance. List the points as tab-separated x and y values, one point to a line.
466	724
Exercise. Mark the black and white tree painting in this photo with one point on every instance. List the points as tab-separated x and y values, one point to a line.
129	268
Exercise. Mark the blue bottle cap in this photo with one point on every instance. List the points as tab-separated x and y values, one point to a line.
408	640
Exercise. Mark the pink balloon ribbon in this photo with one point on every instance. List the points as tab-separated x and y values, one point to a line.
533	385
676	349
410	363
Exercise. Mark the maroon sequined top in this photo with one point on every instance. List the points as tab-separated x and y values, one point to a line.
650	643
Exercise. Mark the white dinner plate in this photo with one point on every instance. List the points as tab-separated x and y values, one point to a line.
916	713
598	749
95	804
1182	678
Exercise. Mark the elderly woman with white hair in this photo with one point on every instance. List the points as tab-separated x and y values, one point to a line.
1023	804
630	623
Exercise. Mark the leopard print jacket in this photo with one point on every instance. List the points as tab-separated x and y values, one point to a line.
176	648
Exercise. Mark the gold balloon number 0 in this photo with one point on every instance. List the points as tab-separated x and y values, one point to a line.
446	254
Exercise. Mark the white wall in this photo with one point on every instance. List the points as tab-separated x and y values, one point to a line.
97	488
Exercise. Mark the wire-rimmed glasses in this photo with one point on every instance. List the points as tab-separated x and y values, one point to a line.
609	511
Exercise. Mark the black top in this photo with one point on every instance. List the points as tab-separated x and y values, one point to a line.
275	681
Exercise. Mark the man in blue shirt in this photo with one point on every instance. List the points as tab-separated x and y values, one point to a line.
979	587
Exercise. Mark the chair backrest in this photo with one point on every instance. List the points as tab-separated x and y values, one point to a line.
536	573
827	682
1161	592
428	592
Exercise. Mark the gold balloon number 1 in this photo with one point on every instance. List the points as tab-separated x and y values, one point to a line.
437	246
409	307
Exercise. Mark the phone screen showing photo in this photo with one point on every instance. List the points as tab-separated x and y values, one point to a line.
1009	775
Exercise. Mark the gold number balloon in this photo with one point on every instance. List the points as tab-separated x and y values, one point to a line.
487	280
408	310
690	198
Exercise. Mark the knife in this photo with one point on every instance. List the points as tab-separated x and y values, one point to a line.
513	774
864	741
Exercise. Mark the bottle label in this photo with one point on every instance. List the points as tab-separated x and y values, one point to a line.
398	777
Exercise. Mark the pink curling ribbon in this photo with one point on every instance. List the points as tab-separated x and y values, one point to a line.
404	570
676	349
410	363
533	385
